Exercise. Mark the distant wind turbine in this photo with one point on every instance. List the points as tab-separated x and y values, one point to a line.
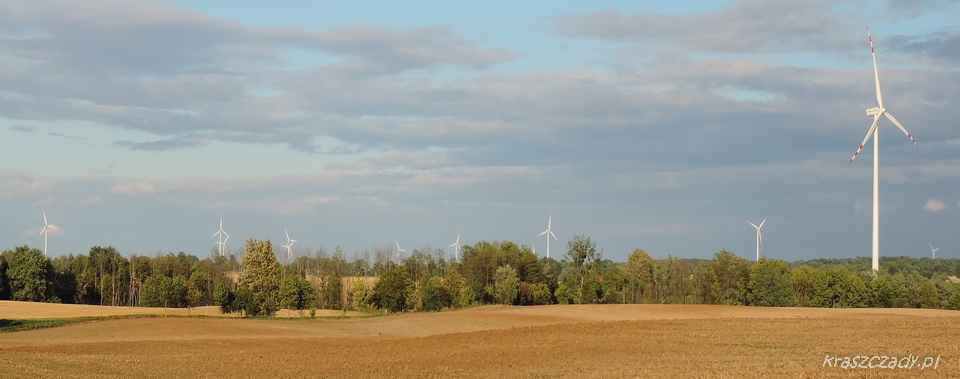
759	229
874	131
222	238
456	245
289	246
398	250
933	250
45	231
548	233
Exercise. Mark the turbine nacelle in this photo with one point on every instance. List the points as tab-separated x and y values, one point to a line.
875	111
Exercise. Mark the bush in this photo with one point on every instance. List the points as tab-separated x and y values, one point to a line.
534	293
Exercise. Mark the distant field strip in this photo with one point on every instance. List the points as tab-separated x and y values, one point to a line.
22	310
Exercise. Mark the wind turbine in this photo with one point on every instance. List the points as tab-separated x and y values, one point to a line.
759	229
874	131
44	231
289	246
456	245
222	238
548	233
398	249
933	250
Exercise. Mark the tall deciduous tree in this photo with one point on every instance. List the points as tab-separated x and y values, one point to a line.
770	284
732	275
506	285
641	270
30	275
261	275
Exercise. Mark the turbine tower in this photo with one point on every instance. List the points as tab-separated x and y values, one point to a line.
44	231
933	250
222	238
759	229
456	245
548	233
874	131
289	246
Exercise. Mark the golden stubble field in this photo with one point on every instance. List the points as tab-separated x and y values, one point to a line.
495	341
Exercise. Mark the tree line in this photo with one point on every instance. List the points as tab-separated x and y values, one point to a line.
499	272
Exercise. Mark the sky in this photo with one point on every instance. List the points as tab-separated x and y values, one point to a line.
661	125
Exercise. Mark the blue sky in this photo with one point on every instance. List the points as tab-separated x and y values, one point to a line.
661	125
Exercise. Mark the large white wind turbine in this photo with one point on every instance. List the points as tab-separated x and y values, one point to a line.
44	231
933	250
548	233
222	238
289	246
456	245
874	131
759	229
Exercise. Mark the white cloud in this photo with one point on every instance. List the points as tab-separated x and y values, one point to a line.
934	206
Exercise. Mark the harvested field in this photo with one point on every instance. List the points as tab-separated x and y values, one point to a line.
575	341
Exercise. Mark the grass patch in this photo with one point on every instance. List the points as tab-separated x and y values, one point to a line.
7	326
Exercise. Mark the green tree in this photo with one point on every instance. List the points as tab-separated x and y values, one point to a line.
540	294
390	292
296	293
466	297
200	286
929	295
360	295
732	275
261	275
30	275
641	270
581	255
953	300
804	280
704	282
436	295
770	284
4	282
506	283
837	287
225	297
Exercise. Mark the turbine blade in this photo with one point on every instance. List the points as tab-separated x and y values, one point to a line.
44	218
866	138
543	233
876	71
900	126
752	224
554	236
762	222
